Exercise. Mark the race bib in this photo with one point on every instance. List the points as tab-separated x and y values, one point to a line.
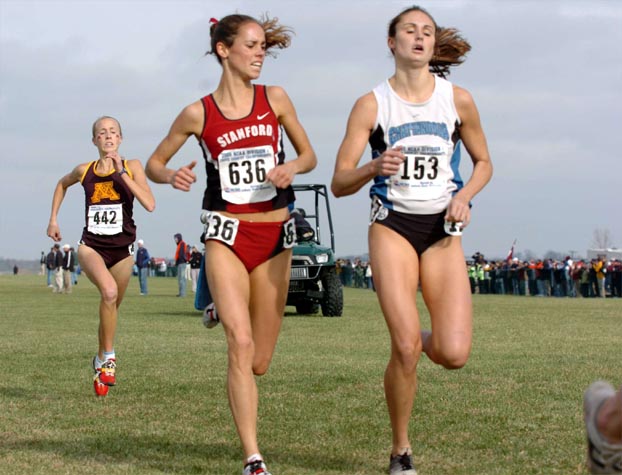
243	175
423	174
220	227
378	211
289	233
106	220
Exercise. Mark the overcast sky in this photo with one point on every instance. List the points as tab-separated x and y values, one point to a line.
545	75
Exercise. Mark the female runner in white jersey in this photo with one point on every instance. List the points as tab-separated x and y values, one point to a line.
414	123
248	191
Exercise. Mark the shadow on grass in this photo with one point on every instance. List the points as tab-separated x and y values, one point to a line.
17	393
144	452
162	454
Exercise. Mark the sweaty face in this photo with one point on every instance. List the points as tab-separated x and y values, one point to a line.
107	135
414	38
248	51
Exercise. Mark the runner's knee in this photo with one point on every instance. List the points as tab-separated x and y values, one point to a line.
407	354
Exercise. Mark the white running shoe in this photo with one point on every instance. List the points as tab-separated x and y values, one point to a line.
257	467
602	456
402	464
210	316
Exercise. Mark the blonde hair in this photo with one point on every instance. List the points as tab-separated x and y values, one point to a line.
99	119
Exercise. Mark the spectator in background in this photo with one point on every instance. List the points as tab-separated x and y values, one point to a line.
195	267
483	277
50	260
531	278
568	266
15	269
501	276
600	277
369	277
512	270
359	274
58	270
587	289
42	262
576	273
559	282
142	263
181	261
616	278
69	264
546	275
76	267
346	273
472	273
596	275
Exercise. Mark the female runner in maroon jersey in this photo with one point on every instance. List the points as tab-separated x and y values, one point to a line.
105	253
249	232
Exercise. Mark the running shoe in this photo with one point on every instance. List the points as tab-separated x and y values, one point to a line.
100	388
257	467
210	316
602	456
402	464
106	371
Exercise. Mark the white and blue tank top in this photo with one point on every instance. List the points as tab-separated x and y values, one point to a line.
429	135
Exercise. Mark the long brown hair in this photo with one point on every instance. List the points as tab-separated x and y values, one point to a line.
226	29
450	47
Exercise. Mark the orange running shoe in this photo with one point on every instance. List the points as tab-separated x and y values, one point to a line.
100	388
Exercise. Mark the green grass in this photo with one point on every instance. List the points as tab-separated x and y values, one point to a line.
514	409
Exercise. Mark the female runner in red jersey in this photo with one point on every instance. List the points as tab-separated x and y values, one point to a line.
249	232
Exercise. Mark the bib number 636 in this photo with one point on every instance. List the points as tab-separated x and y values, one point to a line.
221	228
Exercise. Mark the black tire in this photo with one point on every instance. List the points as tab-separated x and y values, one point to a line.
307	307
332	304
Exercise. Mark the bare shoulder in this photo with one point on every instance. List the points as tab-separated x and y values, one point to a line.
462	97
190	120
364	112
75	175
278	99
276	93
79	170
367	103
193	111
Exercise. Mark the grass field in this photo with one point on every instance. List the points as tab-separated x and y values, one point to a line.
514	409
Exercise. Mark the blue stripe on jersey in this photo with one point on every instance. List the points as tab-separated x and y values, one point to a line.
380	189
455	167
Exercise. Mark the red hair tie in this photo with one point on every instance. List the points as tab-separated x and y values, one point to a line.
213	21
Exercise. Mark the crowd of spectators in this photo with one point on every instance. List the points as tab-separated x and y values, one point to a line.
355	273
546	277
534	277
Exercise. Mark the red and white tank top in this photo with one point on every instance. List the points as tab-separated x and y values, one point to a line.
239	154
